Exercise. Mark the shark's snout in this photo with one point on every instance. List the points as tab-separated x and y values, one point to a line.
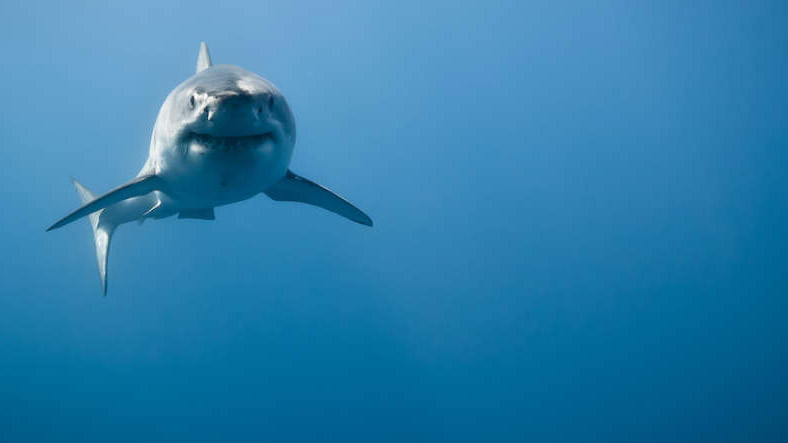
236	114
232	121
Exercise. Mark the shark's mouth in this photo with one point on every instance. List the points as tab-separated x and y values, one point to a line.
231	143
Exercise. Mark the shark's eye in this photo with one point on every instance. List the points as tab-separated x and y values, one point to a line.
191	102
270	102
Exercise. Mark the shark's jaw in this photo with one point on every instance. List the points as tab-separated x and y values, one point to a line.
231	143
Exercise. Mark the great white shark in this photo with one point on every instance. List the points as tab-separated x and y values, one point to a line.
222	136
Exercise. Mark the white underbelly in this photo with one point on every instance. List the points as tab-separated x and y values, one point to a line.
205	178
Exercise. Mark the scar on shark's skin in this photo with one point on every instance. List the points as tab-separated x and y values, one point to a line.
223	121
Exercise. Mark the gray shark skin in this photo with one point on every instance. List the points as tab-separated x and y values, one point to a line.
222	136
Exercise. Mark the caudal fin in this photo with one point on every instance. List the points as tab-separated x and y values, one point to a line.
102	233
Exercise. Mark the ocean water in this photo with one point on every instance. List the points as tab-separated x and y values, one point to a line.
580	226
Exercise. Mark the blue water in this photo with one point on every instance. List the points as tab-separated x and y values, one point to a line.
580	226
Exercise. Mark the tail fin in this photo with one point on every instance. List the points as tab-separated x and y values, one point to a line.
102	233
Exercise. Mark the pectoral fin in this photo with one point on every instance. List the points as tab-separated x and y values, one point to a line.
139	186
299	189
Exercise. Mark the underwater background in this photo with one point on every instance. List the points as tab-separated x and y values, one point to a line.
580	226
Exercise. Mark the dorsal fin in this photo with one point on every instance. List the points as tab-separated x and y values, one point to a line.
204	59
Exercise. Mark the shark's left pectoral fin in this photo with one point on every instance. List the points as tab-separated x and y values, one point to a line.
139	186
299	189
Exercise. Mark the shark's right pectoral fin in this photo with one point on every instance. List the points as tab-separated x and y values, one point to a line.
139	186
299	189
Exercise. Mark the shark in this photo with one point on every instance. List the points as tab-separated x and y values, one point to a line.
222	136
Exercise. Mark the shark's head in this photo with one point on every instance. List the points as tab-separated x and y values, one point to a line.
227	108
223	134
